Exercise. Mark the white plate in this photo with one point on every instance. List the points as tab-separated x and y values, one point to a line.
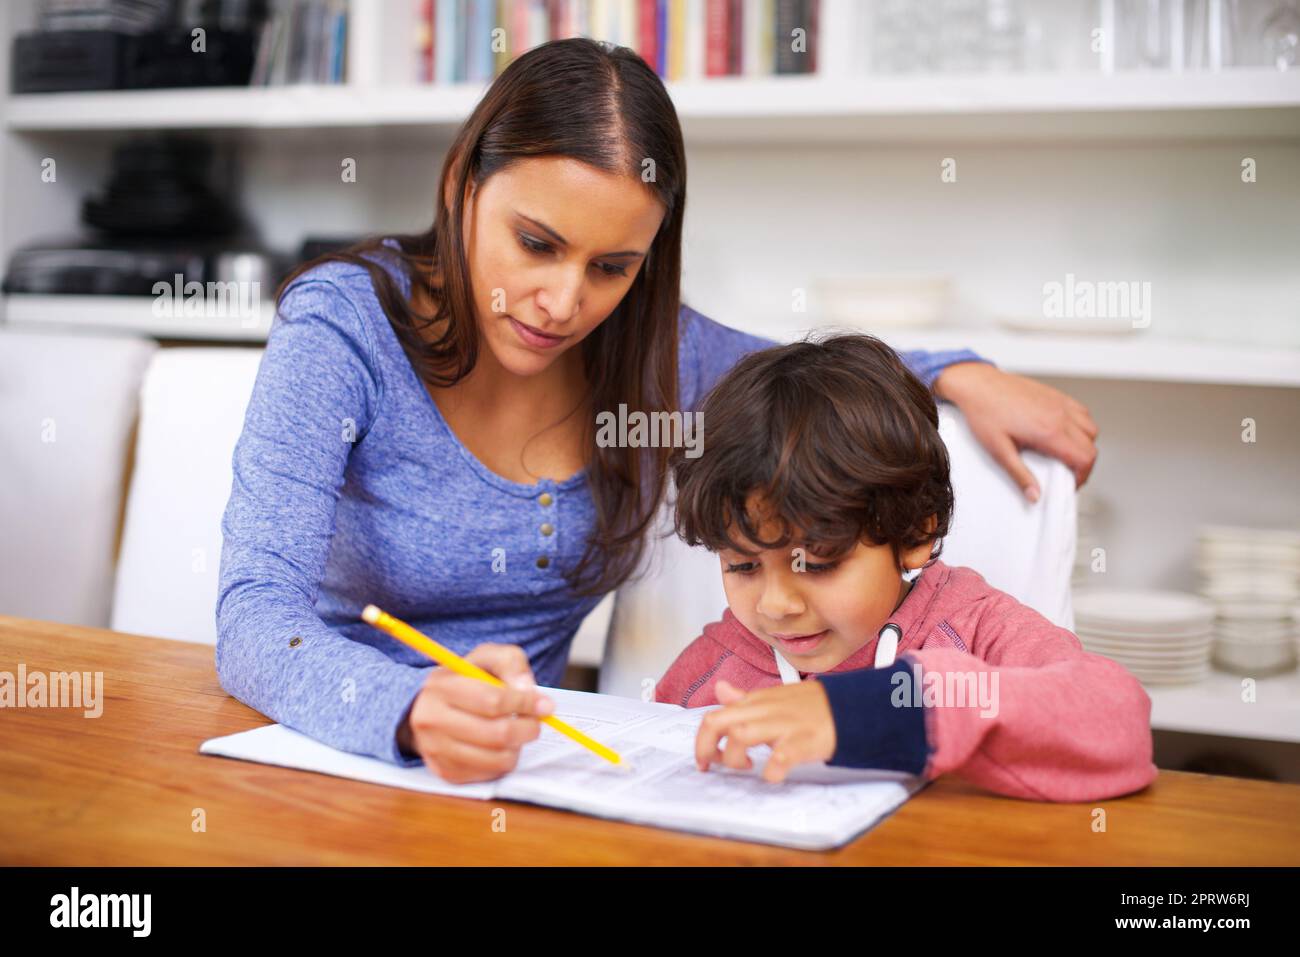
1069	325
1154	657
1154	642
1141	610
1241	534
1192	667
1133	634
1153	639
1190	679
1177	654
1142	661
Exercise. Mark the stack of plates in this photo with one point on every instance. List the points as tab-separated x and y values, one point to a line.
1162	637
1253	577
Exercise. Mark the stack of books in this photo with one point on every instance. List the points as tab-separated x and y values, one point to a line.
472	41
304	41
119	16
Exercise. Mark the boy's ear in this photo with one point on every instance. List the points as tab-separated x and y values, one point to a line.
913	558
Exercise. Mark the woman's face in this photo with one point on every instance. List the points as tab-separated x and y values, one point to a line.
815	612
553	245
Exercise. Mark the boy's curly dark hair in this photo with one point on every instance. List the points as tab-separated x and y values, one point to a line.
839	439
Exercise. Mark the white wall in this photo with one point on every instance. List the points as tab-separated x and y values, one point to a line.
1221	255
1171	457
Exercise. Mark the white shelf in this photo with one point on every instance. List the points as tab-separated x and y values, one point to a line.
130	314
291	107
1135	358
1214	706
1247	102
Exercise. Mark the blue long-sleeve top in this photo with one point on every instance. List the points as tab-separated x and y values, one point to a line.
349	488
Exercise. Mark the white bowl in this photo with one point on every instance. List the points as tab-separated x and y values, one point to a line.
1254	609
1260	659
1243	535
1261	631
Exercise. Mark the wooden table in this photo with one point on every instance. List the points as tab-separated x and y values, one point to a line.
122	789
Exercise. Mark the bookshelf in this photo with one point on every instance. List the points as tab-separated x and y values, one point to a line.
783	109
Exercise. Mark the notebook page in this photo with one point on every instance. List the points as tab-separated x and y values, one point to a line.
276	744
817	807
605	718
598	715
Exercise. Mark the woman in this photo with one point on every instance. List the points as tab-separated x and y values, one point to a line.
421	432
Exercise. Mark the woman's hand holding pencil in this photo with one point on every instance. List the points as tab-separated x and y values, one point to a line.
473	714
468	730
467	734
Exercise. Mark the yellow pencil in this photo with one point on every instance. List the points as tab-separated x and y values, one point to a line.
449	659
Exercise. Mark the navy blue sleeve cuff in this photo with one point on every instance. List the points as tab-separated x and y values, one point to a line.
870	730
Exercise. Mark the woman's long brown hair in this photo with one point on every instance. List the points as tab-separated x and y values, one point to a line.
605	107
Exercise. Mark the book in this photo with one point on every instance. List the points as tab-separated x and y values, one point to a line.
737	17
649	33
789	17
817	807
424	27
302	41
717	26
445	27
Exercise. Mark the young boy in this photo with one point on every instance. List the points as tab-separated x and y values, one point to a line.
822	481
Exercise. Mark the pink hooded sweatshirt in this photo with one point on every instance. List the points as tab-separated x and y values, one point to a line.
1040	718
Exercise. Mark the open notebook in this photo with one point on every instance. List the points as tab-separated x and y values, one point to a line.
817	807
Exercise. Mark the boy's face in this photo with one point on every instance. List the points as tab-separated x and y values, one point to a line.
816	618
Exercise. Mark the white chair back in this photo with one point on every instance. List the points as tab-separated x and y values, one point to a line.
68	401
192	412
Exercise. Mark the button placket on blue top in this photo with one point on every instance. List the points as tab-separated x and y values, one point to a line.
547	527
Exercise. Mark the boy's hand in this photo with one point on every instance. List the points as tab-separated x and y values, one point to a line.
794	719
